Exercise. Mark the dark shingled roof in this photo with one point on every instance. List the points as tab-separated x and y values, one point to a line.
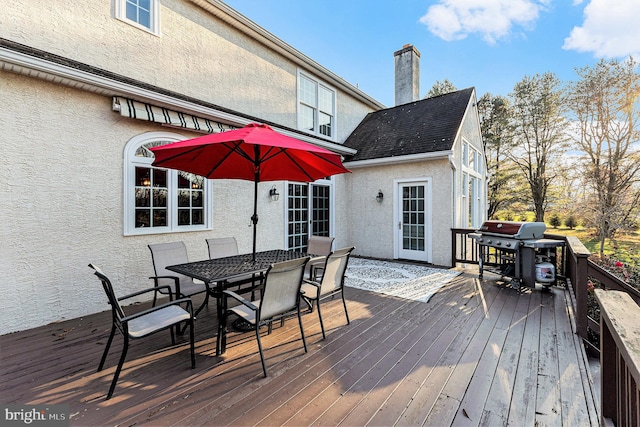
424	126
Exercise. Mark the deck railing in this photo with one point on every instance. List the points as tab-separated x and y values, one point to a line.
619	358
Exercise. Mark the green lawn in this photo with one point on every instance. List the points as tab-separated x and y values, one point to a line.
626	246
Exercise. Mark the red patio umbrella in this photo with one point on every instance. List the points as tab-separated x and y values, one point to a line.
255	153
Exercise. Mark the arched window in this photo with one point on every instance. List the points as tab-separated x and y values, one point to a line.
159	200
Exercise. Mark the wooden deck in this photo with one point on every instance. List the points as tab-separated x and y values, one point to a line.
478	353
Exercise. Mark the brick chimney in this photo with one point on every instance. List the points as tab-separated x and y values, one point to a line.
407	72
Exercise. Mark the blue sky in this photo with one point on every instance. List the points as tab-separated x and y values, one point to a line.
489	44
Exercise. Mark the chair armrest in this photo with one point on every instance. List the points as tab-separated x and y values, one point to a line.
155	278
312	283
317	259
187	301
144	291
241	299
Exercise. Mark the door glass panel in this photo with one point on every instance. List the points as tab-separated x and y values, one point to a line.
308	211
298	216
320	219
413	215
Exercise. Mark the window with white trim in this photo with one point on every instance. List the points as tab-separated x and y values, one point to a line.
316	107
159	200
144	14
471	190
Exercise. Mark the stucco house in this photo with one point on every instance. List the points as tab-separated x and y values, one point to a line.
425	160
87	90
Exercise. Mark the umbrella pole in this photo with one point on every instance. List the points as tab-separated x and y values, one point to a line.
254	218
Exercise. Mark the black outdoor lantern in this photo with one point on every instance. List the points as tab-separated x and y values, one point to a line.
273	193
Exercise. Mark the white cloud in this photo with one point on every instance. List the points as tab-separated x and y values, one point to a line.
610	29
493	19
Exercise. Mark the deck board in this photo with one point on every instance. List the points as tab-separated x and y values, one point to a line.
496	408
522	409
479	353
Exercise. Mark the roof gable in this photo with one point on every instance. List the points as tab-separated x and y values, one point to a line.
424	126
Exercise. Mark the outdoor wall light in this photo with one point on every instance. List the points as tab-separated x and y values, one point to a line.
379	196
273	193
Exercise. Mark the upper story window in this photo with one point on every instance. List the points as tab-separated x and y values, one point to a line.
143	14
159	200
471	191
316	107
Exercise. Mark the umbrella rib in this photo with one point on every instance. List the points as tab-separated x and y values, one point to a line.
298	166
233	148
269	155
175	156
325	159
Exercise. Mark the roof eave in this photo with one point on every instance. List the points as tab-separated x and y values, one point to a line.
395	160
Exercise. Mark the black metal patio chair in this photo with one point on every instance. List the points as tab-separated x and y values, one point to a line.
318	247
280	298
165	254
331	283
143	323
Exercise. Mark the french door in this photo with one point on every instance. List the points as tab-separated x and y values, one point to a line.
309	212
413	218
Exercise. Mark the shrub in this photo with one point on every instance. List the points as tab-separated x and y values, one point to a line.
571	222
554	221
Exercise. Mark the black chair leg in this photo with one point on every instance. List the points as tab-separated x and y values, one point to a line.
204	303
346	313
119	368
309	303
223	317
193	350
264	365
304	340
106	349
324	337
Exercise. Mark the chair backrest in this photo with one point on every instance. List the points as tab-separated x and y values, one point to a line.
221	247
116	309
281	291
334	270
319	245
165	254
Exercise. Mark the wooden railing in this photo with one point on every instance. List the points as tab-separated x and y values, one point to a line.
465	249
619	358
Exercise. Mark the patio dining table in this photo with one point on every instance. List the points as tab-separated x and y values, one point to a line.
217	273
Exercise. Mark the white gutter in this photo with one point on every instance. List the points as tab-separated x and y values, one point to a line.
21	63
399	159
256	32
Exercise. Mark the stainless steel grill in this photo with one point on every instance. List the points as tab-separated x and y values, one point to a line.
520	245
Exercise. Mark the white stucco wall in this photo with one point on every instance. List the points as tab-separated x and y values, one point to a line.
371	226
62	172
61	182
197	54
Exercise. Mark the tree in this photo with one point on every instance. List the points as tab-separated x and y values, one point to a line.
605	102
497	139
441	88
539	133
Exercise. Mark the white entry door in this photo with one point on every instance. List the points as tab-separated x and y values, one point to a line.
413	218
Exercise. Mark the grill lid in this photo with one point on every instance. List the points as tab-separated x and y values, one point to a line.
516	230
